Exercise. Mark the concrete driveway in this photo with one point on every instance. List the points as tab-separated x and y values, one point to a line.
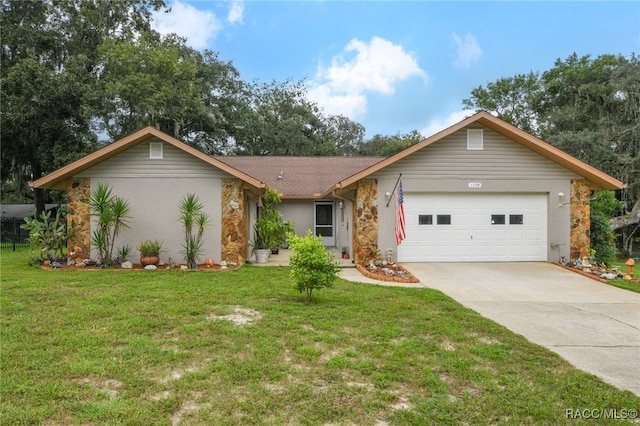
596	327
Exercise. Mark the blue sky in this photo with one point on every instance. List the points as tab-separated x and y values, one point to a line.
400	66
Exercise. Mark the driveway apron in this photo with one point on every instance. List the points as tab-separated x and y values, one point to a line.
594	326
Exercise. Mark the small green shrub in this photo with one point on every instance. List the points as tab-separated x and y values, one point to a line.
123	253
312	267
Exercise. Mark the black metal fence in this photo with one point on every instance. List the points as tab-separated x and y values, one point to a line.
11	235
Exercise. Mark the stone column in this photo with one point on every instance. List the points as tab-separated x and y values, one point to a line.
365	229
234	222
79	217
580	219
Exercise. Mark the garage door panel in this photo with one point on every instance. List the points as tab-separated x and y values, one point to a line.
518	232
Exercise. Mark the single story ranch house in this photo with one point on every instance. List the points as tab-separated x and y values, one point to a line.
481	190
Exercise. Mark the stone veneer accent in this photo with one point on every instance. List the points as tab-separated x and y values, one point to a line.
365	230
234	229
580	219
79	213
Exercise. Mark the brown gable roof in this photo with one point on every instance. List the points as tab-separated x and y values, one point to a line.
302	177
56	178
598	179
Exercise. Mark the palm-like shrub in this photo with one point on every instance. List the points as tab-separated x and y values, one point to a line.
112	214
194	222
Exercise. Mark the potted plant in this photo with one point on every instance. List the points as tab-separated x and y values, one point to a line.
271	230
149	252
260	245
345	252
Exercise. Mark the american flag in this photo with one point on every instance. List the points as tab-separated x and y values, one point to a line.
400	231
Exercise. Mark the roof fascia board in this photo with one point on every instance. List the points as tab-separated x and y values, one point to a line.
54	178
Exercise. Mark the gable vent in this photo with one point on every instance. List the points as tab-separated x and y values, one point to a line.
155	150
475	140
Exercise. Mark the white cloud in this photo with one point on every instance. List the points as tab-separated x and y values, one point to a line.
197	26
468	50
374	67
236	12
352	105
437	125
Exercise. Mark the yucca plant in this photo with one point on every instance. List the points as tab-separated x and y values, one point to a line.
194	222
112	213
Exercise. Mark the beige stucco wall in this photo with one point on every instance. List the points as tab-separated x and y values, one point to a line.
154	189
298	212
154	213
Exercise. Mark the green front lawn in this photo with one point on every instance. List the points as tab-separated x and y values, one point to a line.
159	347
626	284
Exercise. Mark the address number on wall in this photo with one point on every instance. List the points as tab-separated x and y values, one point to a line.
475	185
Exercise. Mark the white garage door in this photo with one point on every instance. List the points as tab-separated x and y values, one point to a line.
474	228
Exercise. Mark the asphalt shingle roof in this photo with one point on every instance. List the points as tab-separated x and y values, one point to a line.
299	176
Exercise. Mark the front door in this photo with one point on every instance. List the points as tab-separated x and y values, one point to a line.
323	222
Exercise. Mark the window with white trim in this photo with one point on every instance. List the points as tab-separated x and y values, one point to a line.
155	151
475	139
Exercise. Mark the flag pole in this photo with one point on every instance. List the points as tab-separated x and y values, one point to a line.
394	190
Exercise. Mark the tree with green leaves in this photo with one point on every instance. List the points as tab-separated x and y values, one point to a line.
387	146
513	99
341	136
49	71
280	120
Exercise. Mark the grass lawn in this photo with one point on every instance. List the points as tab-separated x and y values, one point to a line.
627	285
159	347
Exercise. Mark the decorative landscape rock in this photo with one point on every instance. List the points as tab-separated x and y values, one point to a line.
609	276
126	265
150	267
